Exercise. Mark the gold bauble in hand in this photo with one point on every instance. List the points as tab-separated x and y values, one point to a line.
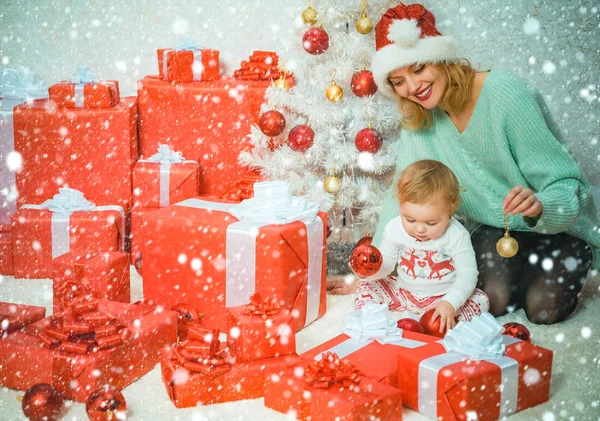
507	246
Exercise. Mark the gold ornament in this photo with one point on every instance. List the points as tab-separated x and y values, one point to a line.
332	184
507	246
309	16
334	92
364	24
282	84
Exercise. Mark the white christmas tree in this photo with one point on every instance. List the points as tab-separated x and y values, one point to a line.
332	169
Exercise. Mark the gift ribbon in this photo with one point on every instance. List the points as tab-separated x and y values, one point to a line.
83	77
204	355
330	371
186	45
166	157
274	208
62	206
261	307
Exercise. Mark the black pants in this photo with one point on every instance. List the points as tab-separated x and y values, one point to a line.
544	278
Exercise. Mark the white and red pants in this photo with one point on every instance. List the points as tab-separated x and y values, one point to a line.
386	291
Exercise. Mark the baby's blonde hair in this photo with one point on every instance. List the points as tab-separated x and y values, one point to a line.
424	180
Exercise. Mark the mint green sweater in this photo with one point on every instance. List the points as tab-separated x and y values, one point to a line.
511	140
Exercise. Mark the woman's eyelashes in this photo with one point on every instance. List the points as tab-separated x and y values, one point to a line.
420	69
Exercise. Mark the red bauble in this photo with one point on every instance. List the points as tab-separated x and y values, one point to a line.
432	328
272	123
368	140
517	330
301	138
187	316
42	402
365	260
315	41
363	84
411	325
106	404
365	240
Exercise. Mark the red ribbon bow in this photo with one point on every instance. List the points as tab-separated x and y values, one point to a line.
201	353
69	290
262	65
260	307
331	370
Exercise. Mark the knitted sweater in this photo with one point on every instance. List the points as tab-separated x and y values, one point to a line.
511	139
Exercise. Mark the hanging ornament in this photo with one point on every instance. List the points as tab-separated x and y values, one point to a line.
368	140
282	84
315	40
518	331
106	404
363	84
301	137
411	325
272	123
364	24
365	260
332	184
507	246
309	15
366	240
186	317
334	92
42	402
432	328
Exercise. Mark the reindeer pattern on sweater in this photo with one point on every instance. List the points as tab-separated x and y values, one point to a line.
428	264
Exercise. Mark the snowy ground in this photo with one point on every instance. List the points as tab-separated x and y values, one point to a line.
575	386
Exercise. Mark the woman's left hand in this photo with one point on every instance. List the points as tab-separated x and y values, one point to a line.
522	200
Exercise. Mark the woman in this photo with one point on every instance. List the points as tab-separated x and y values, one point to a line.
495	132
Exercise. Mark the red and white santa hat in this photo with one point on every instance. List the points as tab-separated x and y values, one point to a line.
406	35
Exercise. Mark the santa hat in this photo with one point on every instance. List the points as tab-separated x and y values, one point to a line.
406	35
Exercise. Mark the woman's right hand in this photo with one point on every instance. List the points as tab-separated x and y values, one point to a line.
522	200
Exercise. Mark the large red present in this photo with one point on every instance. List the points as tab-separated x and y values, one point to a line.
188	64
84	90
332	390
55	350
164	178
460	378
105	275
262	330
202	371
6	254
41	233
208	122
91	150
199	253
16	316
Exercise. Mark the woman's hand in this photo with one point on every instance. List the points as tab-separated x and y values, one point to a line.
522	200
445	311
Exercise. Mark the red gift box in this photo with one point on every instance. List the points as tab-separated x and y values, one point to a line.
28	361
334	392
188	65
185	117
448	387
39	236
6	254
262	330
105	275
102	94
16	316
197	252
91	150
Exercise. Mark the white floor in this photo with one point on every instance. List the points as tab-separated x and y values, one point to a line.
575	386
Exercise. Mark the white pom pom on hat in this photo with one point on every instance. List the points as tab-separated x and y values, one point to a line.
405	32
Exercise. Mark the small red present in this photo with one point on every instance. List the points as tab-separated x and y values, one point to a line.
6	254
188	64
474	373
66	223
332	390
201	371
105	275
16	316
84	90
164	178
260	329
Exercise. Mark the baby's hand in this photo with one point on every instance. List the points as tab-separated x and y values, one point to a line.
446	312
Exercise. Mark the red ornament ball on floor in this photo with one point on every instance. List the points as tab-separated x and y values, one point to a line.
432	327
411	325
106	404
42	402
518	331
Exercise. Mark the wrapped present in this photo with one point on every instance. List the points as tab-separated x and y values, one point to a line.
91	150
16	87
263	330
331	389
16	316
68	222
105	275
272	244
84	90
185	117
202	371
242	189
475	372
6	254
372	342
164	178
188	63
262	65
94	342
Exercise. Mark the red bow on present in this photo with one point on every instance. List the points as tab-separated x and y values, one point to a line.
262	65
331	370
70	290
198	354
259	307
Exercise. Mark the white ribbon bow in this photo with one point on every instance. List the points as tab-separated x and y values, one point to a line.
372	323
166	154
478	339
273	204
68	201
20	83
